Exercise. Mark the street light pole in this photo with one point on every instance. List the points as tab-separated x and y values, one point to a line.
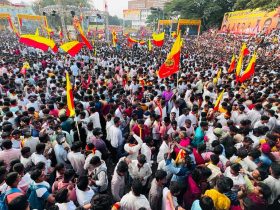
64	29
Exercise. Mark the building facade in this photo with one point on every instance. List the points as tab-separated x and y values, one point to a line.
139	10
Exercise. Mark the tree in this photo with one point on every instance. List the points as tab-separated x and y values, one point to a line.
114	20
210	11
253	4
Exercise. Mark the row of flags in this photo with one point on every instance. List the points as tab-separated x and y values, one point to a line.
43	43
237	65
169	67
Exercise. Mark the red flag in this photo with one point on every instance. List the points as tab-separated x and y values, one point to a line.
83	37
70	99
232	64
72	48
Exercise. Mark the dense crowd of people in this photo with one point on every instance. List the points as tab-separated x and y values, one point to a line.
137	141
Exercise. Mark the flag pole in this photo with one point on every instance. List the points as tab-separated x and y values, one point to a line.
77	126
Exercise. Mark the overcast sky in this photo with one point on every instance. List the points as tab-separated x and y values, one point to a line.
115	6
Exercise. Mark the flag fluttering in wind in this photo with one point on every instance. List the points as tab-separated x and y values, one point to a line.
49	31
218	101
70	99
83	37
72	48
158	39
131	40
114	38
172	63
37	32
250	70
216	79
150	46
25	67
232	64
39	42
174	34
244	51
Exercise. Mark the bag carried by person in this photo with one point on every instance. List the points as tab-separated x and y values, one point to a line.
3	198
34	201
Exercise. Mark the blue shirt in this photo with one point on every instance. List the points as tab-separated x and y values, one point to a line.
75	70
196	205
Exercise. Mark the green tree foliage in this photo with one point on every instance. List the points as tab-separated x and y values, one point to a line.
114	20
210	11
155	15
253	4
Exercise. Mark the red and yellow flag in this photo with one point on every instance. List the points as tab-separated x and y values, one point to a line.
181	156
83	37
131	40
38	42
25	67
172	63
244	51
216	79
114	38
174	34
250	70
70	99
158	39
232	64
218	101
72	48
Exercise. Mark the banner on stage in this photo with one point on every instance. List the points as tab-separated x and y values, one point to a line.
251	21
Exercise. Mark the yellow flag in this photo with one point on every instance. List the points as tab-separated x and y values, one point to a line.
150	46
216	79
218	101
244	51
37	32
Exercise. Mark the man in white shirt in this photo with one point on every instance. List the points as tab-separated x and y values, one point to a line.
262	122
119	111
183	117
255	114
76	158
39	157
59	150
140	169
134	200
175	109
118	180
116	139
94	118
273	181
133	149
